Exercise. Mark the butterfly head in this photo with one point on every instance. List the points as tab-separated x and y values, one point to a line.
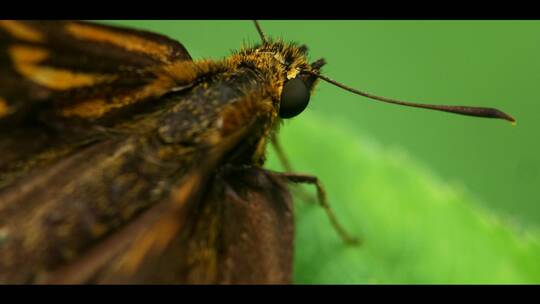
297	79
295	75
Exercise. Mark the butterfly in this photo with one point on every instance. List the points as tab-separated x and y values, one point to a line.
123	160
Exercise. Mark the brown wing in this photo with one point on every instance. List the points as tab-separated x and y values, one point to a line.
213	228
239	230
85	70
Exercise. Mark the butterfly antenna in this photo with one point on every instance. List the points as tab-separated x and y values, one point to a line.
462	110
259	29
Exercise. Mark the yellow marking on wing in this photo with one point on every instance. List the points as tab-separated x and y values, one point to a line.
125	41
21	54
58	79
26	61
95	108
4	108
89	108
168	77
21	31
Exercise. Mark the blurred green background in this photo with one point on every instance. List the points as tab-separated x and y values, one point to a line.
437	198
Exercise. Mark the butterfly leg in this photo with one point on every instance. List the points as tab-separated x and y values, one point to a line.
323	201
283	159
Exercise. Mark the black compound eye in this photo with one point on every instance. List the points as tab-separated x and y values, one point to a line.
294	98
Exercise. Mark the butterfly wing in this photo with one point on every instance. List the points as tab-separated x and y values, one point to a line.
58	78
85	70
217	226
257	229
239	231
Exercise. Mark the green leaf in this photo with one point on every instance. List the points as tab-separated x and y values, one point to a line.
415	227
